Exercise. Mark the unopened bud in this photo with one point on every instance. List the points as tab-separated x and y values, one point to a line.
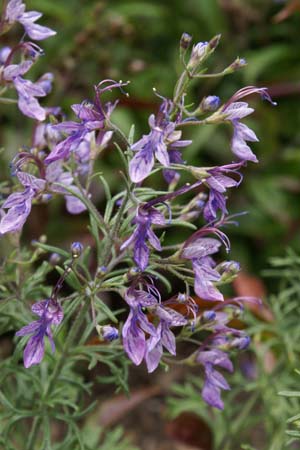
45	198
198	54
76	249
54	259
240	343
210	103
107	332
208	316
101	270
185	41
214	42
182	298
239	63
228	270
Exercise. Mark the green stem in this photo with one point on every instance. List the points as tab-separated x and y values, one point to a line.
57	370
33	433
8	101
181	86
69	341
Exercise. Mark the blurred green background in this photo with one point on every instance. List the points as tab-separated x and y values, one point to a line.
138	41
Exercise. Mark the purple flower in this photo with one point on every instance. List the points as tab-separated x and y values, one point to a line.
26	89
145	217
163	337
218	183
15	12
56	176
155	144
50	313
214	380
19	204
236	110
27	103
198	249
44	136
137	323
93	117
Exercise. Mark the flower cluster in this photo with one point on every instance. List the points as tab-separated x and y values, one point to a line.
133	235
11	72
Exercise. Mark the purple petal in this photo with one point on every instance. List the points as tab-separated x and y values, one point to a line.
212	395
199	247
170	316
129	241
14	9
133	340
73	204
62	150
217	379
216	357
27	88
168	340
141	164
144	323
157	217
245	132
153	356
238	110
162	154
29	329
39	308
153	239
204	277
30	107
34	350
35	31
141	255
68	127
216	201
31	181
221	182
15	70
141	298
239	145
15	218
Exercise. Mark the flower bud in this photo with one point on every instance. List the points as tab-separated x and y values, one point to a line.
208	316
214	42
185	41
210	103
101	270
199	52
239	63
76	249
45	198
54	259
107	332
240	343
182	298
228	270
